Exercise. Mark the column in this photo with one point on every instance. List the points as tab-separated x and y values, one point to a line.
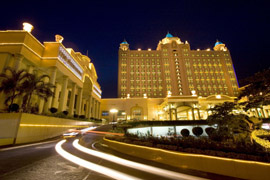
199	115
17	61
94	107
175	110
193	115
48	104
56	95
97	113
72	100
63	98
79	101
82	107
87	109
30	69
41	101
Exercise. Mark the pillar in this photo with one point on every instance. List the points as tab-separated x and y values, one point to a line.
199	115
72	100
175	110
17	61
63	98
48	104
87	109
79	101
193	115
56	95
30	69
94	107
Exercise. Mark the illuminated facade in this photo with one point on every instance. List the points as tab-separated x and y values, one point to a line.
77	90
174	69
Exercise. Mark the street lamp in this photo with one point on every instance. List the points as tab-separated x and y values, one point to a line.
113	111
124	114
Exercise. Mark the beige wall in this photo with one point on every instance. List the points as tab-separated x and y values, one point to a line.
28	128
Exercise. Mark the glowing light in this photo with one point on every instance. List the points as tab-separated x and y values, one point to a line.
113	110
128	117
218	96
59	38
208	49
198	49
145	117
27	27
128	96
169	94
49	125
139	49
149	49
193	92
131	164
123	113
145	95
91	166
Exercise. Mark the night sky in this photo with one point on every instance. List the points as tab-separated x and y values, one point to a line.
100	26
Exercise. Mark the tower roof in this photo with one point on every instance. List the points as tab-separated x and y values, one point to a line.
169	35
124	42
218	42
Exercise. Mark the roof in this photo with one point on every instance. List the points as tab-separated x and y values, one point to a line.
218	42
169	35
124	42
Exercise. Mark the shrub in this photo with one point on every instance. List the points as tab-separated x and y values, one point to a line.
65	113
197	131
13	108
185	132
82	116
53	110
210	130
75	115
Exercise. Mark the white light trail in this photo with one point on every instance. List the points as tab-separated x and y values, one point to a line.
91	166
135	165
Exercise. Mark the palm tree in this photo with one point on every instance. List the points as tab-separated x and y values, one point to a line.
11	83
35	85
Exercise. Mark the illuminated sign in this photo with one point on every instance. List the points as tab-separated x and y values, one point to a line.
65	58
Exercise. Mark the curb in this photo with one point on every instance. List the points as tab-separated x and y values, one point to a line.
218	165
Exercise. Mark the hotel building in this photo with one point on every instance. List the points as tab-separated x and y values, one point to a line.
73	74
174	69
172	82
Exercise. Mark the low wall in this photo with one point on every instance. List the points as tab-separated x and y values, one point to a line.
224	166
21	128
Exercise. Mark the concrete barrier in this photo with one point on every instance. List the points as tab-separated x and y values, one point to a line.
218	165
18	128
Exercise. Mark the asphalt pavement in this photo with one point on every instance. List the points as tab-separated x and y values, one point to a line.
41	161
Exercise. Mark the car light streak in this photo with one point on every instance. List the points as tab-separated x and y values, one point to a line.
135	165
91	166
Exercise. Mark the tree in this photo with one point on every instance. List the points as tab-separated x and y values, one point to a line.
35	85
257	91
11	83
230	125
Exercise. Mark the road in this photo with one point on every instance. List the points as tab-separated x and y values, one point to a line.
41	161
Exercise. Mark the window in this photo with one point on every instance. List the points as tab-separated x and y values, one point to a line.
105	113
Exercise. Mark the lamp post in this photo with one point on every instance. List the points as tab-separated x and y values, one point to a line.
113	111
124	114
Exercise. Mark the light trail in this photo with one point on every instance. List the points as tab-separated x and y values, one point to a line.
91	166
135	165
102	132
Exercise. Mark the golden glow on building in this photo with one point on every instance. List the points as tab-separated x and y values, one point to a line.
73	74
27	27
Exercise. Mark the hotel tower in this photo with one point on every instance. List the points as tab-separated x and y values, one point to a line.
173	69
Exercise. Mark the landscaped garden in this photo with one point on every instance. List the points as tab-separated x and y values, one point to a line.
232	133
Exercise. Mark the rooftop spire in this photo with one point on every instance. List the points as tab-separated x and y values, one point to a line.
169	35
